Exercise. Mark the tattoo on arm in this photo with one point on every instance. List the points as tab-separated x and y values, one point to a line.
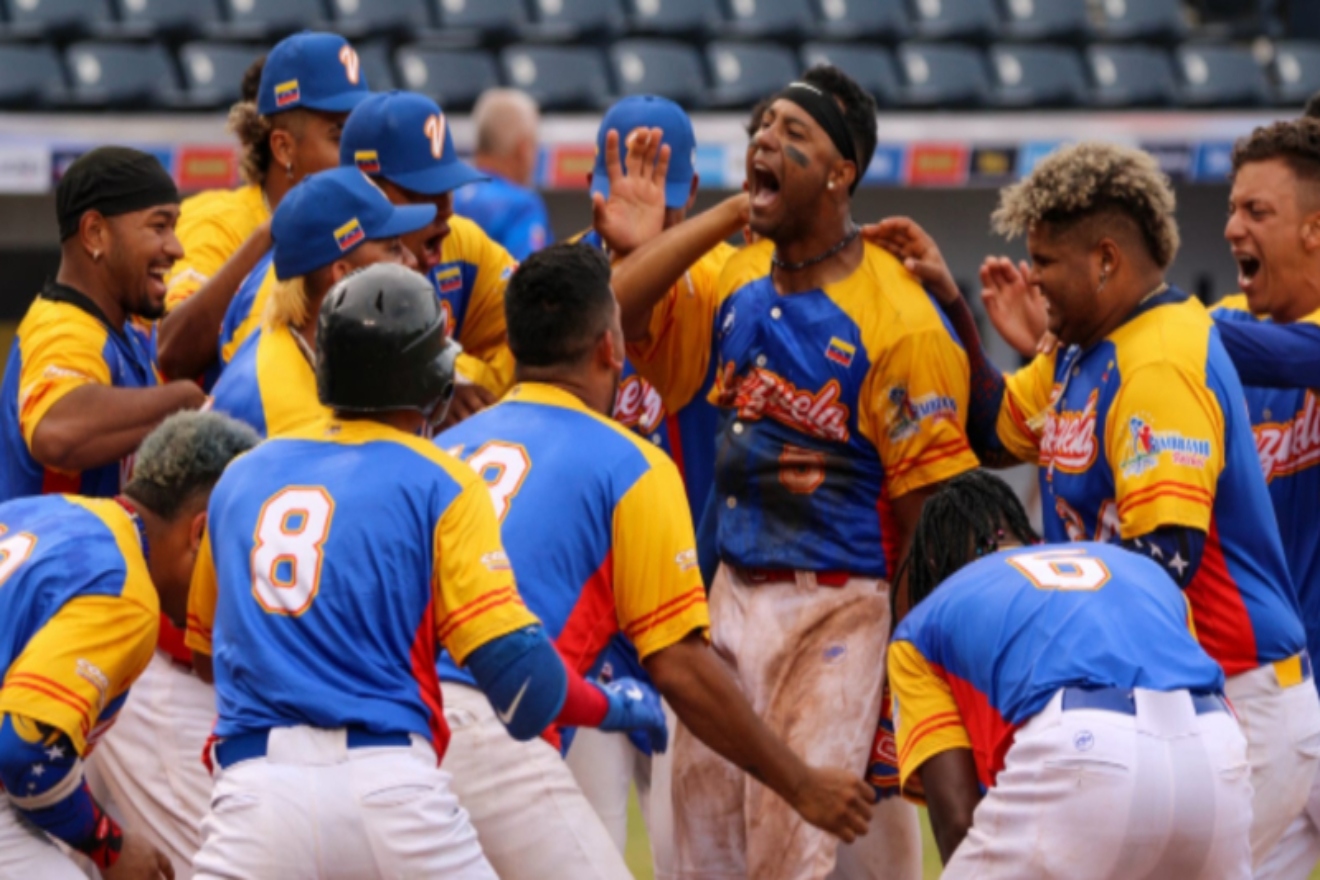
796	155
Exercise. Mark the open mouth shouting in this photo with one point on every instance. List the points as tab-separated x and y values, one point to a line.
1249	266
764	189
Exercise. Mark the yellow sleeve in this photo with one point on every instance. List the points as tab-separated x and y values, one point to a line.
57	358
251	322
658	591
926	718
1164	436
1021	416
913	407
202	596
208	241
485	335
85	657
476	598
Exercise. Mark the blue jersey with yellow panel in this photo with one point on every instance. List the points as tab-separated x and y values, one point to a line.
1286	424
62	344
248	307
594	520
78	612
984	652
512	215
337	561
1147	429
270	384
832	401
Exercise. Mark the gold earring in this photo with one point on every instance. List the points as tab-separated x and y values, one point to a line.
288	169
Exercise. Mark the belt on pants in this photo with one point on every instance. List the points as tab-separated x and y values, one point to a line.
247	746
1122	700
788	575
1294	670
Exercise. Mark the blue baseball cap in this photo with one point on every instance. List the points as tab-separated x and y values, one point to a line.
313	71
404	138
651	111
331	213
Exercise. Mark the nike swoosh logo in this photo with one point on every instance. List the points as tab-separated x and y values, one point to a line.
507	715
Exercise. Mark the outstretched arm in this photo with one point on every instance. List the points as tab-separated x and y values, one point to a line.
1273	355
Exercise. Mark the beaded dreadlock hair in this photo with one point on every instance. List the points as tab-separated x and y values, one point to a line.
969	517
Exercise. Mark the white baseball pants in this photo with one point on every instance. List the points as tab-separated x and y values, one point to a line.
1095	795
532	818
26	851
314	809
148	771
1296	854
1282	727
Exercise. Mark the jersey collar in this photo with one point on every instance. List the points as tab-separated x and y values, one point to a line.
542	392
131	510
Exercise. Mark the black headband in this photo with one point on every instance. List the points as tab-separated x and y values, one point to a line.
111	180
822	107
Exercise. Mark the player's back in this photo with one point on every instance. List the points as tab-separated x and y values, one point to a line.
325	552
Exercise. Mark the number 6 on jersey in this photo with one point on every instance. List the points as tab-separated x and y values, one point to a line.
286	559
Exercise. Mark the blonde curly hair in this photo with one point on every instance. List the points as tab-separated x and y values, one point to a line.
1085	180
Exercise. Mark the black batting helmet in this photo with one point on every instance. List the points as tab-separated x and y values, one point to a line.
381	344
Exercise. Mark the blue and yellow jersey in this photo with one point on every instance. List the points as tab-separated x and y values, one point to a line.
62	344
246	310
595	522
512	215
212	225
987	649
840	399
1286	425
78	612
1147	429
337	561
270	384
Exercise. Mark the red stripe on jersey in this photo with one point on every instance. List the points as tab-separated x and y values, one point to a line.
884	509
1165	489
948	449
171	642
423	657
84	723
476	607
56	483
592	622
667	612
675	436
1223	625
989	733
926	727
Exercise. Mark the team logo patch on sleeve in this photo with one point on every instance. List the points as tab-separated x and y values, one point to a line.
367	161
907	413
496	560
287	93
349	235
686	560
1146	445
449	279
840	352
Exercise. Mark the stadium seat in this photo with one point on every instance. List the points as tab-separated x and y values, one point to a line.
172	19
668	68
1045	20
565	20
121	75
744	73
30	76
455	78
269	19
1037	76
1221	76
59	19
558	77
484	19
1131	76
673	17
359	18
1296	70
871	66
943	75
377	65
764	19
1125	20
213	72
863	20
955	19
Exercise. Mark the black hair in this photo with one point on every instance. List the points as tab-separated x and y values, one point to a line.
557	304
859	110
1312	108
967	518
251	82
753	123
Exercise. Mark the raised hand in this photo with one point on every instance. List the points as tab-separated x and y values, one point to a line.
634	213
1014	305
635	708
907	241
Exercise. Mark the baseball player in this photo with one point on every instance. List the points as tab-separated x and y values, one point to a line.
79	390
84	583
337	559
403	140
289	128
1056	709
843	399
327	226
1141	437
619	557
